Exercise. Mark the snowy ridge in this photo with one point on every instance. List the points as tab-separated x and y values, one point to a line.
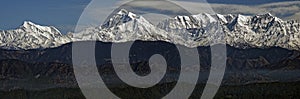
260	31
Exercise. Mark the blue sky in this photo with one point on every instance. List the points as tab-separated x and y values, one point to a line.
64	14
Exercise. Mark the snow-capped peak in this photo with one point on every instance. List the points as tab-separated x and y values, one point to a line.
268	14
124	12
31	27
123	16
28	24
123	26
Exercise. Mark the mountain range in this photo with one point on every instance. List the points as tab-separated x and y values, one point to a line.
240	31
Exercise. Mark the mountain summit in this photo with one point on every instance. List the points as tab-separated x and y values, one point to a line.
30	27
123	16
